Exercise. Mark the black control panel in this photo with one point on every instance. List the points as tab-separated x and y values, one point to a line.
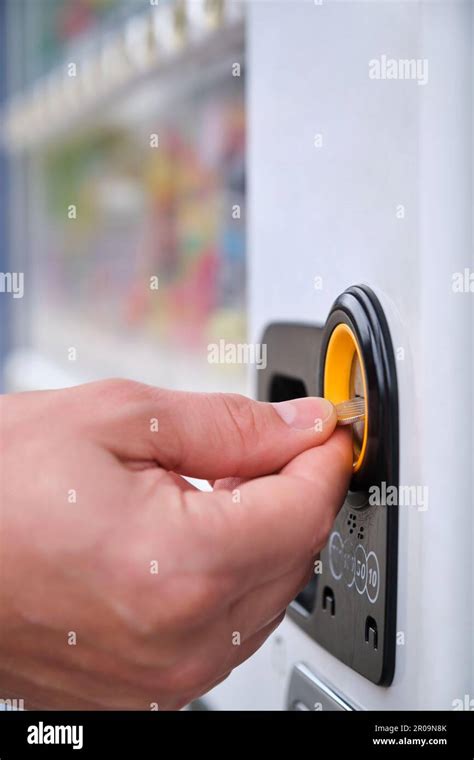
349	606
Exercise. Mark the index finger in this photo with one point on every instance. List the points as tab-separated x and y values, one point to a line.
272	525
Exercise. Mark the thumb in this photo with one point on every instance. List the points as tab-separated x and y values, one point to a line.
215	435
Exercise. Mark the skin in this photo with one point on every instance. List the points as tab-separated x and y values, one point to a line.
91	496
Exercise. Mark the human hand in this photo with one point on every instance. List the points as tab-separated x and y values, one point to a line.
121	585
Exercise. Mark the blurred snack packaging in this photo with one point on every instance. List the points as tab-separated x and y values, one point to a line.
157	242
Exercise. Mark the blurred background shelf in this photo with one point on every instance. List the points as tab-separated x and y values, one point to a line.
96	57
125	136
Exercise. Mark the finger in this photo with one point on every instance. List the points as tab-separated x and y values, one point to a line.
157	476
300	464
227	484
232	654
252	644
232	657
209	435
265	528
306	464
257	608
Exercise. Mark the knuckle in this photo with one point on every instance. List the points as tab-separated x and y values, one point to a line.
119	389
242	418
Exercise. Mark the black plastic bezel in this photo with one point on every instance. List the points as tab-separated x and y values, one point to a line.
359	308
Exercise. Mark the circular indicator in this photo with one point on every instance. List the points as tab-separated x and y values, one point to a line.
373	577
336	555
348	559
360	558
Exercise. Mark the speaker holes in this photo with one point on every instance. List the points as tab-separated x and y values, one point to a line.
352	522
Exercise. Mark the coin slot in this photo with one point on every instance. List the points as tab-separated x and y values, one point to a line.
357	362
363	634
356	390
344	378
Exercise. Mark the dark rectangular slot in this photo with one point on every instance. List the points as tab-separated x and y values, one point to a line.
329	600
371	632
284	388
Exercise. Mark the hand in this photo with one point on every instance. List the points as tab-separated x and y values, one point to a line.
121	585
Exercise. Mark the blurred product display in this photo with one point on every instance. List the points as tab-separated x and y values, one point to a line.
152	244
132	143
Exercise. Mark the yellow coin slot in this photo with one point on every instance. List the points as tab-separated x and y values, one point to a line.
344	378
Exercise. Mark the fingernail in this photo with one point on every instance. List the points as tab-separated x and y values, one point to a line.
305	413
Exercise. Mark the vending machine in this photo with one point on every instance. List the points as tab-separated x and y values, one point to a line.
299	174
361	280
